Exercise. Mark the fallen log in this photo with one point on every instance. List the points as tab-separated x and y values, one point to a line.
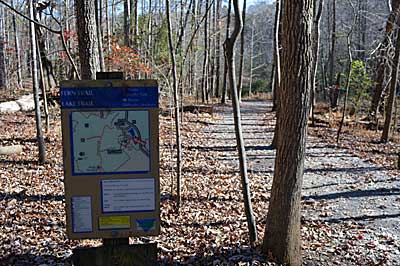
196	109
8	150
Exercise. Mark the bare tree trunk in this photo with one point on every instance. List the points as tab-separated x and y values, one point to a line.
87	39
108	31
224	81
350	63
332	58
43	87
383	60
149	36
213	47
39	131
282	239
136	26
46	63
67	26
229	54
363	29
251	58
392	93
113	17
17	50
240	82
3	71
204	85
127	16
99	16
277	77
316	37
194	52
218	51
277	66
176	108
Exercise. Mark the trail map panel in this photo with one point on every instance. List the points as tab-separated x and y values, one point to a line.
110	142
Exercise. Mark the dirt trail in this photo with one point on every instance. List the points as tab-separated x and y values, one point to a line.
350	216
351	208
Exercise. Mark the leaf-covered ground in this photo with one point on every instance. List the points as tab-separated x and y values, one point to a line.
351	207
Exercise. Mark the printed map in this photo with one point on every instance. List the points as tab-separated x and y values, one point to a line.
110	141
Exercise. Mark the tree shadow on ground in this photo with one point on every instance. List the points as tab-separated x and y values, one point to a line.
33	260
219	256
209	224
356	194
215	255
246	132
348	183
330	154
22	141
20	163
361	218
229	148
261	139
22	196
350	169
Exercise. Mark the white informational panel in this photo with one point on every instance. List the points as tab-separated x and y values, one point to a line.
128	195
82	214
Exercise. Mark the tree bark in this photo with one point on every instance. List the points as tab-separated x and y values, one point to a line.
282	232
149	37
316	37
251	58
241	55
127	16
87	40
3	72
176	108
229	54
136	25
17	50
224	81
99	16
47	65
332	58
43	88
218	51
348	76
276	76
363	10
35	82
392	93
383	60
108	33
204	83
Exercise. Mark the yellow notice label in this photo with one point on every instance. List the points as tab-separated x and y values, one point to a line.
114	222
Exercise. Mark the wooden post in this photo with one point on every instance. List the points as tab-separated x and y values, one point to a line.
122	255
116	251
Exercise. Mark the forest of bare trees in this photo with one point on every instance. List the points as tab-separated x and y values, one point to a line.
138	28
321	63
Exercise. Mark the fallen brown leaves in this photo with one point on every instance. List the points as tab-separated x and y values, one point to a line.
363	143
209	228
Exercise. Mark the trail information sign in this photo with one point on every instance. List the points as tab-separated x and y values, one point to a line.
111	158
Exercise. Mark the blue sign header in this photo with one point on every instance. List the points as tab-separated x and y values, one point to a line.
115	97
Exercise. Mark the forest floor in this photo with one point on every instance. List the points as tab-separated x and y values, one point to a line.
351	194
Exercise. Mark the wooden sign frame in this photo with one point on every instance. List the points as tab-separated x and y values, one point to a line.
110	134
